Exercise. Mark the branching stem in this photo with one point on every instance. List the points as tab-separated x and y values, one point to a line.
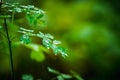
10	49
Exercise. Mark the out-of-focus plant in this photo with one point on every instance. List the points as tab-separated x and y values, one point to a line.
27	77
34	15
62	76
59	75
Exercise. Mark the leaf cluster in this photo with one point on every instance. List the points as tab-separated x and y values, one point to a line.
17	8
47	40
33	14
62	76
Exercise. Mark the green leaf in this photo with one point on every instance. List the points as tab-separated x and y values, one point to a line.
37	47
61	50
37	56
26	30
49	36
25	39
77	76
59	77
34	18
56	42
37	52
47	42
44	49
31	19
66	76
40	16
55	49
17	9
33	47
53	71
27	77
40	35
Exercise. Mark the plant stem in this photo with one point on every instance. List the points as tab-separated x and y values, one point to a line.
10	50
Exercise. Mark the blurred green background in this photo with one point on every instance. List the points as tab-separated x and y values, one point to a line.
89	29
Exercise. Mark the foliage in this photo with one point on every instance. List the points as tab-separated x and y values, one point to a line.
27	77
47	40
90	29
34	16
8	8
62	76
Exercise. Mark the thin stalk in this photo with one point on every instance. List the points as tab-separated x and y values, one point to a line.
10	50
